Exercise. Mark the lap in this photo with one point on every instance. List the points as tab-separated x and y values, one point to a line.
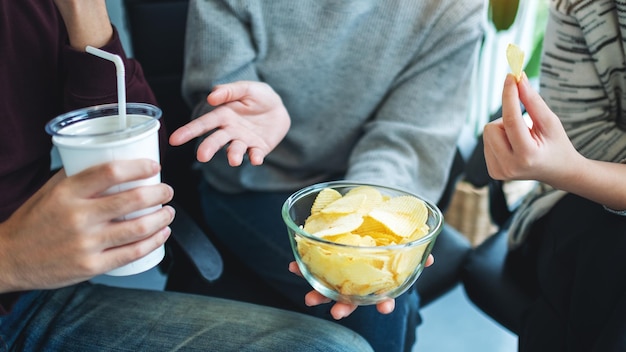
89	317
580	276
250	227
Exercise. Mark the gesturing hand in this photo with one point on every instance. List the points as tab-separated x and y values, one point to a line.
249	117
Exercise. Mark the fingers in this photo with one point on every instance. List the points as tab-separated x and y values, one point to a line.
220	95
229	92
293	267
194	128
496	147
543	118
123	254
430	260
129	231
212	144
99	178
235	152
88	190
386	306
226	126
183	134
122	203
314	298
341	310
256	155
517	132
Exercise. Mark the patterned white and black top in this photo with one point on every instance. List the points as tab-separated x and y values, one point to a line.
583	80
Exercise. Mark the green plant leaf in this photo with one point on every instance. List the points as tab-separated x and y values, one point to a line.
502	13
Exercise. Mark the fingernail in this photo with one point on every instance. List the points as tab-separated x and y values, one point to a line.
524	79
156	167
510	78
173	211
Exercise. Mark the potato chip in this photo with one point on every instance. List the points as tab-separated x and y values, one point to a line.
345	205
355	240
401	215
385	238
363	217
328	225
515	58
404	262
370	225
372	197
325	197
316	222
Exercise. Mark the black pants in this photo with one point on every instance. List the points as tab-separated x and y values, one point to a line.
575	265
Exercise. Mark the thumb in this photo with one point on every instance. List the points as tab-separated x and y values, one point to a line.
542	117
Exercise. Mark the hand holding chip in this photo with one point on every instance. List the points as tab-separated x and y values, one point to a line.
249	117
341	310
515	151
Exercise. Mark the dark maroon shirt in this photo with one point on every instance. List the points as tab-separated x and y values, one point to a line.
41	77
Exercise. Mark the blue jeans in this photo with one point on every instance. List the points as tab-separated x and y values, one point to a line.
249	226
88	317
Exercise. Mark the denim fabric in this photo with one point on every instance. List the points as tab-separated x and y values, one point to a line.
251	227
88	317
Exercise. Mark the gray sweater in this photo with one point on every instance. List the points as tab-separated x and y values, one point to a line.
377	90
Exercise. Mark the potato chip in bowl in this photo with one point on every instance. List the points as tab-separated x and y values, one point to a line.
360	243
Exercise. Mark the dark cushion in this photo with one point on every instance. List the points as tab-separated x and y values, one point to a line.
450	251
157	34
491	287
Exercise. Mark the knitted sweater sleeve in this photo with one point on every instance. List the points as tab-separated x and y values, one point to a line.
412	140
203	68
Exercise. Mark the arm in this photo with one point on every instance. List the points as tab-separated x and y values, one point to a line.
65	232
421	117
544	151
88	23
92	80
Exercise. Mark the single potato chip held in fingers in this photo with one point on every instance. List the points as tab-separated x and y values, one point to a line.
515	58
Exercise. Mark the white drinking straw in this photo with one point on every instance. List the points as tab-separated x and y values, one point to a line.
121	82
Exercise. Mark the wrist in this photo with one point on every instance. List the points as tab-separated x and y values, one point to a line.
568	172
6	272
87	23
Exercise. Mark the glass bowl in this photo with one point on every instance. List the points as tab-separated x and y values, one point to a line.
357	274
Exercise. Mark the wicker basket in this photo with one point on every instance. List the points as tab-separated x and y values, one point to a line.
468	212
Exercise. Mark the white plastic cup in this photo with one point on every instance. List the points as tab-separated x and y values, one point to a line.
93	135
